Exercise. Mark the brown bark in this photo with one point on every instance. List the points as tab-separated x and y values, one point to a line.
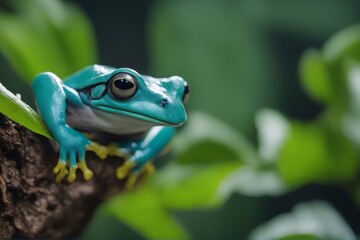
31	203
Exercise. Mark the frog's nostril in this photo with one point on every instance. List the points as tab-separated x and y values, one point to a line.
164	102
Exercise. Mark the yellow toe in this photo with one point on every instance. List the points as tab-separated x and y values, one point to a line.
149	169
60	165
60	170
130	183
87	173
123	171
103	151
99	150
72	174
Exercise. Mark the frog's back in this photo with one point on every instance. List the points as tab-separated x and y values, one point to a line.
88	76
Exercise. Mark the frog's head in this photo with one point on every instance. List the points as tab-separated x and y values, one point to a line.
125	92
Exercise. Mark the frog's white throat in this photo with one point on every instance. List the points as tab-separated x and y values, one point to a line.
93	120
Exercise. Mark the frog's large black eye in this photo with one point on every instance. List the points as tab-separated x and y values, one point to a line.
123	85
186	93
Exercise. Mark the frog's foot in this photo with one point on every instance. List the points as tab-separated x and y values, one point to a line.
98	149
103	151
124	170
148	169
61	170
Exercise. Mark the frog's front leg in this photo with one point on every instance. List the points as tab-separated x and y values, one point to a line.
157	139
52	97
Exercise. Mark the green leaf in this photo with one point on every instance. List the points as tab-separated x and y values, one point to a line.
207	151
300	237
273	129
72	31
20	112
142	211
221	142
314	76
317	219
193	186
46	36
313	153
351	127
344	43
350	121
353	86
27	57
103	226
253	182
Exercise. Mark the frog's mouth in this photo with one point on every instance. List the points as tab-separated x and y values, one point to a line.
137	116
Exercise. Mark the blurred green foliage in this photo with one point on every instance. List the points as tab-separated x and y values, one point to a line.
42	36
234	54
311	220
46	36
223	50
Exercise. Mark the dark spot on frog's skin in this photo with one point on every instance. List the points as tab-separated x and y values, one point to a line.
164	102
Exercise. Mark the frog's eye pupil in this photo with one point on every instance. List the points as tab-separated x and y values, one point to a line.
123	85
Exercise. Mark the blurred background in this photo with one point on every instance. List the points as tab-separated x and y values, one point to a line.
247	50
238	57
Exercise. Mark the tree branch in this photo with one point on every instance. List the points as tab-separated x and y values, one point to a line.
31	203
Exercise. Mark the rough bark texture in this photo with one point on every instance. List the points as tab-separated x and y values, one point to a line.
31	203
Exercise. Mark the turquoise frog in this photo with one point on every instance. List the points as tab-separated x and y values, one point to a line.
111	111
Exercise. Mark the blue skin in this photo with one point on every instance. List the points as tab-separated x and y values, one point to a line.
102	100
